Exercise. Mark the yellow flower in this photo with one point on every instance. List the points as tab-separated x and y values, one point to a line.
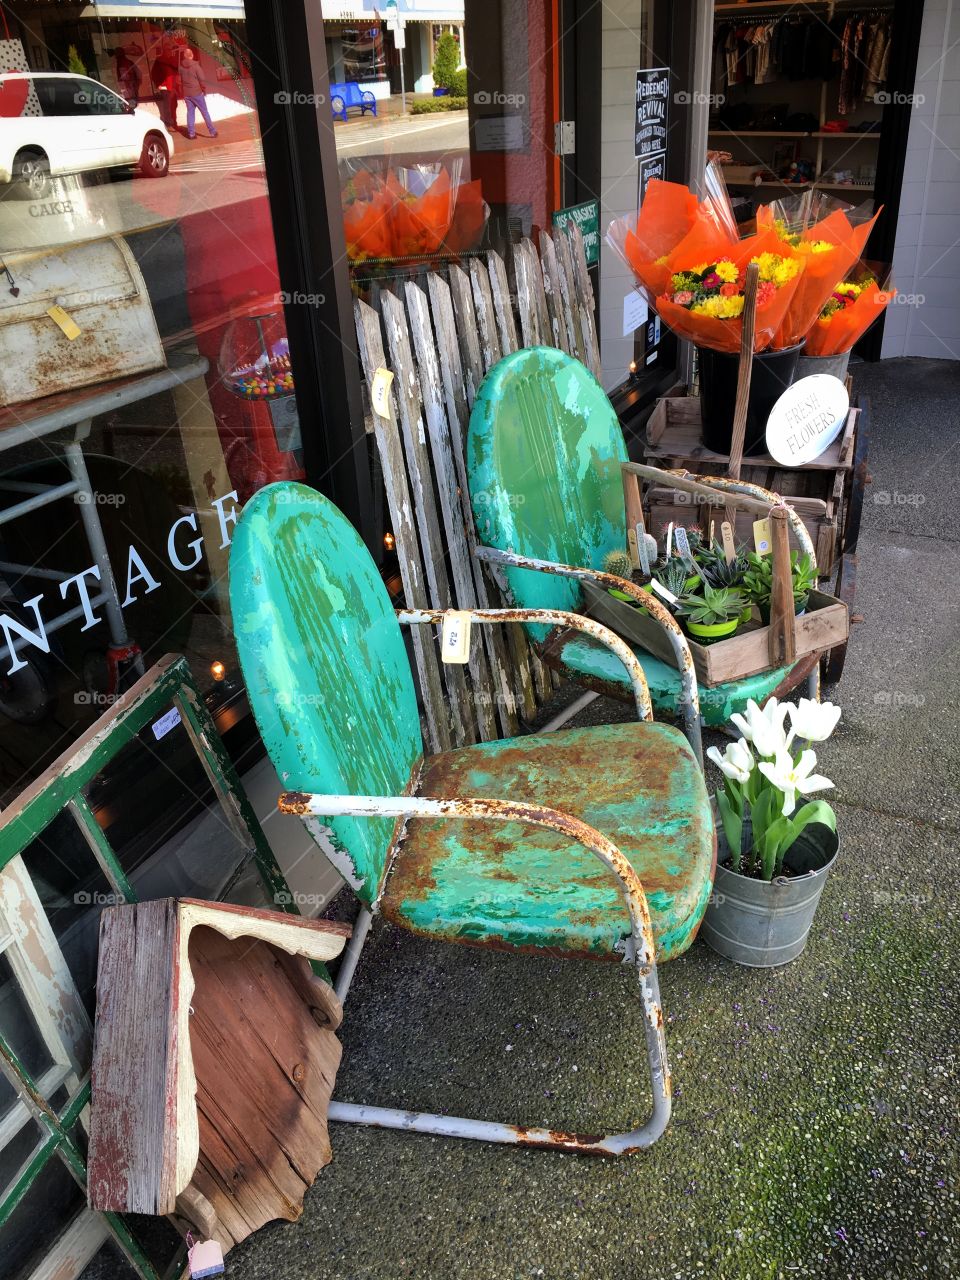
721	308
778	270
853	289
815	246
726	271
661	261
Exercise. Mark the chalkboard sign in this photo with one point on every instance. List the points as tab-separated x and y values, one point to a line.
650	115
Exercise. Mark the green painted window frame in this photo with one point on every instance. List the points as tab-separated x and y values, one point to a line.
60	788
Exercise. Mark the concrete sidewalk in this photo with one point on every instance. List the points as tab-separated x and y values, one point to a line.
813	1131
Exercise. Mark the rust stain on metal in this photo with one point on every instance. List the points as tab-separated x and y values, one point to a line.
589	1143
297	802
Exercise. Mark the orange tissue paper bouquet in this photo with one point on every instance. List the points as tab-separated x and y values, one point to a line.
691	265
851	309
831	236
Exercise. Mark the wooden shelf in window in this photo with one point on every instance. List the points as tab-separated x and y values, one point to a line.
772	133
769	6
800	186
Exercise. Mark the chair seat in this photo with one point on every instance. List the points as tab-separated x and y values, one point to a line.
581	655
518	887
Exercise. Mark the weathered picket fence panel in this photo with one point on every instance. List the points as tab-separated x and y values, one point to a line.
440	341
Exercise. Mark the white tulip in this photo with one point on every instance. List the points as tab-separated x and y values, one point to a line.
792	778
736	762
812	721
765	729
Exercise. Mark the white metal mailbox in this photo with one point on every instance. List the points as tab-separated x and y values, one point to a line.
72	317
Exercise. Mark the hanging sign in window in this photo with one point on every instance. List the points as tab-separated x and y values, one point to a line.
587	218
650	115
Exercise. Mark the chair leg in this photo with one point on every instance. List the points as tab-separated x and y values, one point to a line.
518	1135
351	957
640	953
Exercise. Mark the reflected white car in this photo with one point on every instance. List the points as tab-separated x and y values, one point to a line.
55	123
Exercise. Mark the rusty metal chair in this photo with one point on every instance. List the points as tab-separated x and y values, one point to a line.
543	460
602	842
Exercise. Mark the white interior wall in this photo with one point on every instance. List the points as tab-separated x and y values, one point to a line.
925	319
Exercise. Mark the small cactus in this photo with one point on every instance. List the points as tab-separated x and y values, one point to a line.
617	562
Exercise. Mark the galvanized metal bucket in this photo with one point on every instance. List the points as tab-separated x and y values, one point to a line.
763	923
836	366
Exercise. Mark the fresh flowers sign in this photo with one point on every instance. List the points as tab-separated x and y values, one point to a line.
806	419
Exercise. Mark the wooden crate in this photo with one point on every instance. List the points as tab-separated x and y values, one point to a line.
674	440
746	653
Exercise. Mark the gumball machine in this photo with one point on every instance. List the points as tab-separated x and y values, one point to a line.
254	366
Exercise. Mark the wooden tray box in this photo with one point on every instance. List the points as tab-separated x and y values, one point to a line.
746	653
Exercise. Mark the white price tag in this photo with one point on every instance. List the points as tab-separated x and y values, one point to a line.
380	392
455	637
169	720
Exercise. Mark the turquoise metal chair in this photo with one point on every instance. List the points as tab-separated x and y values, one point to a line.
594	842
544	450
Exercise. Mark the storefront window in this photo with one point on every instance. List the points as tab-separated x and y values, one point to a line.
146	392
448	150
146	387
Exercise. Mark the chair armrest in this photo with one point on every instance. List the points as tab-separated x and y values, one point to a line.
654	607
560	618
307	804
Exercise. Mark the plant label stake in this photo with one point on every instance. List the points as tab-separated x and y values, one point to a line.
633	547
633	509
204	1258
729	550
669	542
663	592
683	545
683	548
762	537
643	547
455	637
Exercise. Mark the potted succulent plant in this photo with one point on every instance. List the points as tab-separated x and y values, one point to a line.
758	580
672	573
712	613
773	856
718	571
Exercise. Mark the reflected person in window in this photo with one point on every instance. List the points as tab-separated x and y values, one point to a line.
193	86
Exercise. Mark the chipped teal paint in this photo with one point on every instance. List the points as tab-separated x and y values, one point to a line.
323	658
581	656
543	459
518	886
543	456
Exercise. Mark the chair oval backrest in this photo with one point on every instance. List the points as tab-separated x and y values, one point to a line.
325	666
543	458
